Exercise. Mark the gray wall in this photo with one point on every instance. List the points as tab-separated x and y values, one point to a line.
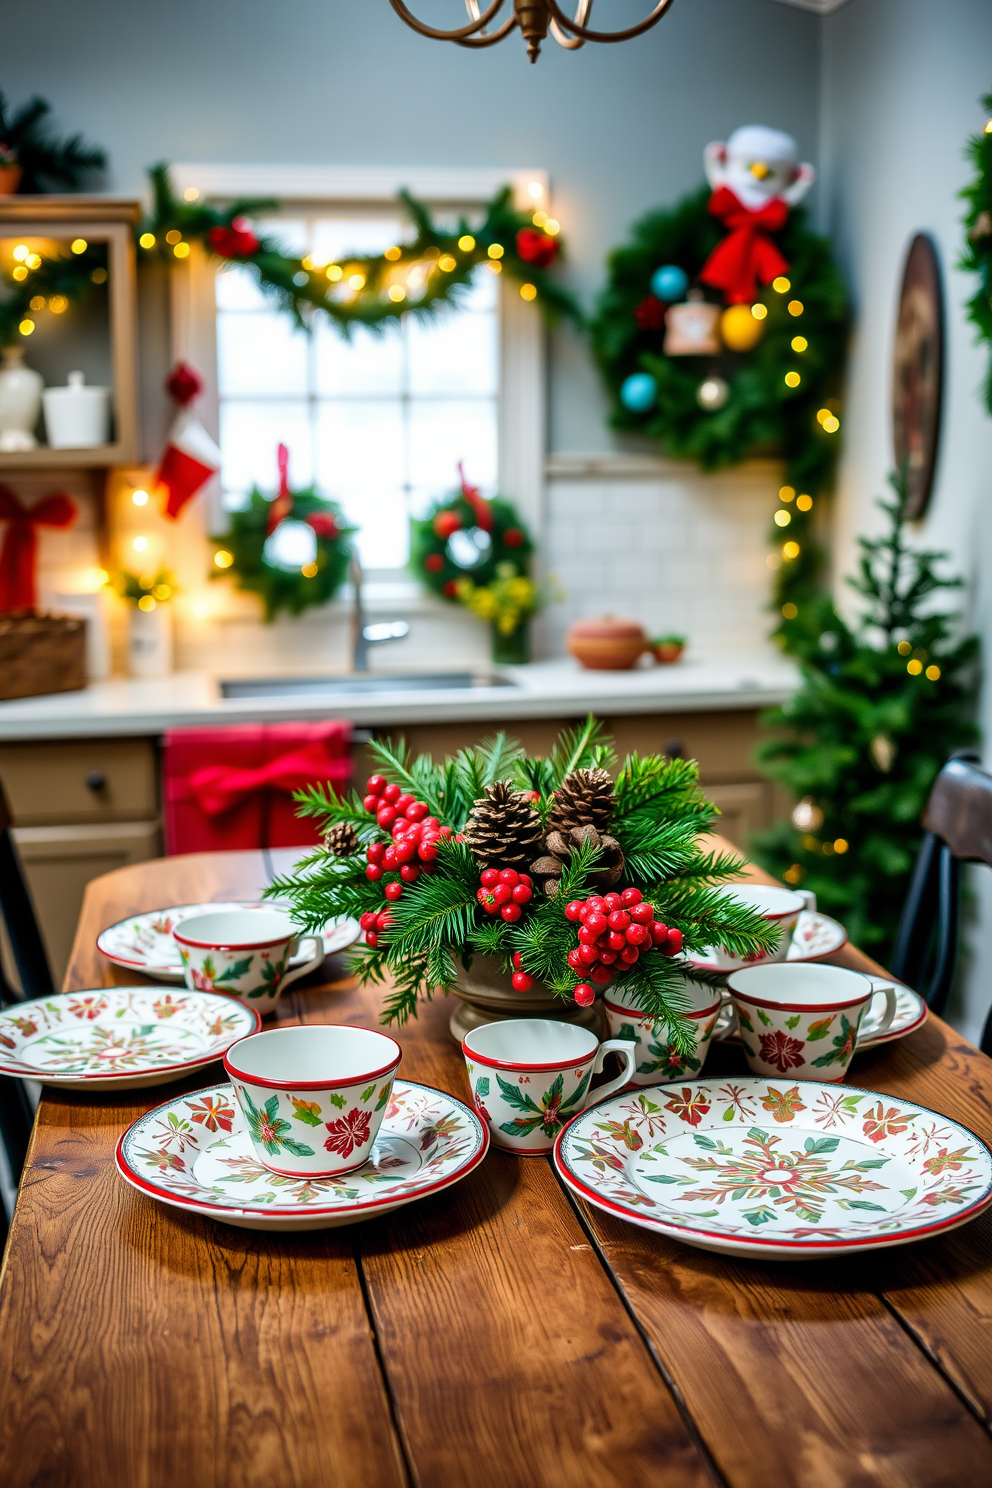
900	88
620	128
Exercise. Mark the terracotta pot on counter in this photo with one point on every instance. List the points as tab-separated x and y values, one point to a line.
10	179
606	644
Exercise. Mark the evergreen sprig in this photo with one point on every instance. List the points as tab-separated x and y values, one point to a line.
976	255
436	925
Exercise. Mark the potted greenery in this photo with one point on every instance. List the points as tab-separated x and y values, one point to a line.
33	160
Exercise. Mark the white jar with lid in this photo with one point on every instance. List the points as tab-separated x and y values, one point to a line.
77	416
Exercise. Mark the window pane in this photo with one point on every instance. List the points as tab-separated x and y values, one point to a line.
445	431
335	238
484	292
456	354
384	541
292	235
363	364
237	289
250	434
359	447
260	353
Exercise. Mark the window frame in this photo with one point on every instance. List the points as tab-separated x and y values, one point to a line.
522	400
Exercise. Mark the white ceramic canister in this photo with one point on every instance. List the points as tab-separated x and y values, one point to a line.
149	641
77	416
20	401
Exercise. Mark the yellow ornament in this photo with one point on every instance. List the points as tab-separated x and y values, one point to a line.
739	328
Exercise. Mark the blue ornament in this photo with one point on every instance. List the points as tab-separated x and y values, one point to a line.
669	283
639	392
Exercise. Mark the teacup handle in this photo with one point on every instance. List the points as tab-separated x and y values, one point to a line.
879	984
810	899
627	1050
317	959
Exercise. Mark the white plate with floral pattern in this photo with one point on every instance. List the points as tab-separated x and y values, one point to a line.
194	1152
144	942
775	1169
120	1038
816	935
911	1013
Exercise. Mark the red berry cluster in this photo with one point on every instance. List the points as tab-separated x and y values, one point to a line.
372	924
613	931
504	892
414	847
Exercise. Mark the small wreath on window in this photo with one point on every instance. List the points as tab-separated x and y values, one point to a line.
291	549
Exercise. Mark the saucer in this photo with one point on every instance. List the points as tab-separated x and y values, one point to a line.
816	935
194	1152
144	942
911	1013
119	1038
776	1169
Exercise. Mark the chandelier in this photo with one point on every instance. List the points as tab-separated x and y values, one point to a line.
535	19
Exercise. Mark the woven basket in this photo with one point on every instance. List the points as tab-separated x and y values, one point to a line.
41	653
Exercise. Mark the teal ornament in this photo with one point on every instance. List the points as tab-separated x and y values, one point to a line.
669	283
639	392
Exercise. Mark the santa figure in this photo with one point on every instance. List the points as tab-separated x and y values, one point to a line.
756	178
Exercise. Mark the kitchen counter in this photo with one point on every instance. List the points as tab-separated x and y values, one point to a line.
546	689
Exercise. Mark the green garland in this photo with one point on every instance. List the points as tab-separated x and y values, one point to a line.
240	553
977	255
762	413
370	290
437	921
50	284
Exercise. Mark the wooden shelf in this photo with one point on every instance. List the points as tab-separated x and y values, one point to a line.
93	457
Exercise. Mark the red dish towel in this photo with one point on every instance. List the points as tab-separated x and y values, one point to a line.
232	787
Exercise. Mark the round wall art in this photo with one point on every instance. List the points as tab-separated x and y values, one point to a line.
918	372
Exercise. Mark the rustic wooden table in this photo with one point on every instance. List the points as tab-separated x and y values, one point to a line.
497	1333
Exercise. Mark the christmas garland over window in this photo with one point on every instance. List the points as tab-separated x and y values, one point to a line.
292	550
977	255
717	384
477	553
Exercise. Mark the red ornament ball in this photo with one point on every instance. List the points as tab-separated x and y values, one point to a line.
513	537
434	562
536	247
650	314
445	523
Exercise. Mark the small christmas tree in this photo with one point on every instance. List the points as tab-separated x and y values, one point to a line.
880	708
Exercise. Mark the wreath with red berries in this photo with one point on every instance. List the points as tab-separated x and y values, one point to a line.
465	536
407	861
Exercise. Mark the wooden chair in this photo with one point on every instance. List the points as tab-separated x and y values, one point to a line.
24	937
958	822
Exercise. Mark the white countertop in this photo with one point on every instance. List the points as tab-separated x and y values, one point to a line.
545	689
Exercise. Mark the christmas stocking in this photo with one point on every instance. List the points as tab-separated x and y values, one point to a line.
190	457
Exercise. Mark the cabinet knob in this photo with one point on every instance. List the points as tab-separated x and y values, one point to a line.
96	780
675	749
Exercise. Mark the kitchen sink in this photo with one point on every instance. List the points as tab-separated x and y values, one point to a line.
362	682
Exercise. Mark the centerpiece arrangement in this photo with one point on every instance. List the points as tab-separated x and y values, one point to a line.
548	877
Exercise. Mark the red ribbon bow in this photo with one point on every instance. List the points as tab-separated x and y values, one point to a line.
481	509
747	253
216	788
283	505
20	544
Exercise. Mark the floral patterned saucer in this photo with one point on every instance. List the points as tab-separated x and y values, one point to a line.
119	1038
816	935
195	1153
776	1170
144	942
911	1013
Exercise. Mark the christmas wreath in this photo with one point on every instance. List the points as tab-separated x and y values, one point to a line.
477	552
418	277
496	853
291	549
977	255
716	382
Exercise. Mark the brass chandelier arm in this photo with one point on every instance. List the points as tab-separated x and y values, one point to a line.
571	43
489	37
463	33
579	31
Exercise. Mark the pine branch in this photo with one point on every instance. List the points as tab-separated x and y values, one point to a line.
657	984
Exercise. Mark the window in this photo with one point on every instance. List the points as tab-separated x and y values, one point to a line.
379	422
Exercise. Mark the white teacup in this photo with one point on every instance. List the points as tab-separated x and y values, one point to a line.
781	907
313	1097
530	1076
657	1061
244	953
802	1021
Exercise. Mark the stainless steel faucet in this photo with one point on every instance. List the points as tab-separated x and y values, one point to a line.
363	636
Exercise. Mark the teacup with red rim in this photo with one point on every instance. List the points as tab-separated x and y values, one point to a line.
780	907
530	1076
243	952
313	1097
802	1021
657	1060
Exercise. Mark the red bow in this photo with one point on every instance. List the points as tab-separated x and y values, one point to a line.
747	253
480	506
283	505
216	788
20	543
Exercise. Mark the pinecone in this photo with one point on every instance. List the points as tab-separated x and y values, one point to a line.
609	866
341	839
584	798
503	829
